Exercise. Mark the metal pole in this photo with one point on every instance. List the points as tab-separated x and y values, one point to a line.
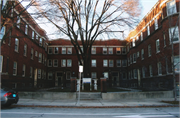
79	88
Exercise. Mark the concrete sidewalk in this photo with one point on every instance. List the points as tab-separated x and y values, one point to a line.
95	103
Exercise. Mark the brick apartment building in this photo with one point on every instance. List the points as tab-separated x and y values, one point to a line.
142	60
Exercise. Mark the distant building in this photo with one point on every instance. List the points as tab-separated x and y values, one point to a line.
143	60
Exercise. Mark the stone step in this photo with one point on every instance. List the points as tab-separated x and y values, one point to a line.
89	95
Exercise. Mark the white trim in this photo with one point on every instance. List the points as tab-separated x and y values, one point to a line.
82	46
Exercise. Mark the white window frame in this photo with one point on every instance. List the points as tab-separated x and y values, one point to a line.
159	68
118	63
148	30
93	50
150	71
36	53
157	46
156	24
143	72
18	21
124	63
55	62
110	50
69	50
175	31
93	75
15	68
111	63
93	63
26	29
135	73
105	63
40	58
118	50
49	62
33	34
63	50
23	70
50	50
104	50
2	32
56	50
106	75
123	50
16	45
63	63
177	64
1	63
25	49
40	41
171	7
69	62
133	42
141	36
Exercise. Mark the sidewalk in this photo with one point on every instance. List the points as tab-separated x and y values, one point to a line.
128	103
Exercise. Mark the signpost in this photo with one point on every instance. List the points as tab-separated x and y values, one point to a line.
80	71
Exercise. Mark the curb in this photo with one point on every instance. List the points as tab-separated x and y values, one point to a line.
143	106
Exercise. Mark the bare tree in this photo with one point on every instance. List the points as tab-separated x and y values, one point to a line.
83	21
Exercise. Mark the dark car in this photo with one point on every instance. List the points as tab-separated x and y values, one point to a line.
8	96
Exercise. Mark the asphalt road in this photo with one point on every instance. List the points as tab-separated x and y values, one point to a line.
35	112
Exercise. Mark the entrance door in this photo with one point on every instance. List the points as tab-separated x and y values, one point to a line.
59	79
35	77
115	79
139	77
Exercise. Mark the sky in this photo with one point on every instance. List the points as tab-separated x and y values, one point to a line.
146	7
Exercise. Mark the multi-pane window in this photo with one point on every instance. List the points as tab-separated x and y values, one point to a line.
141	36
93	63
142	54
157	46
50	50
148	30
69	63
130	59
25	49
137	54
110	50
118	62
106	75
55	63
135	73
104	50
23	70
36	53
118	50
123	50
164	38
174	34
159	68
149	50
156	24
134	57
40	57
50	75
40	41
105	63
15	68
177	64
133	43
111	63
16	44
37	37
68	75
150	71
39	73
63	63
93	50
124	75
124	63
2	32
31	72
171	7
63	50
69	50
143	71
18	21
56	50
26	29
32	34
93	75
49	62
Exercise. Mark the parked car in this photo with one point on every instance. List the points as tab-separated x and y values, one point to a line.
8	96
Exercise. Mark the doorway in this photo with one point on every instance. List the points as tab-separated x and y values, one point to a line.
35	77
59	79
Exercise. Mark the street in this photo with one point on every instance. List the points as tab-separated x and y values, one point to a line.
37	112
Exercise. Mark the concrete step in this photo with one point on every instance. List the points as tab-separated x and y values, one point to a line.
89	95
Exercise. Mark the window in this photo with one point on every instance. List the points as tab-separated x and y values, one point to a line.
177	64
150	71
105	63
111	63
23	70
18	21
69	63
174	34
25	49
164	37
36	53
156	24
26	29
93	50
93	64
123	50
15	68
171	7
149	50
104	50
141	36
118	50
110	50
2	33
63	50
40	57
56	49
1	62
50	50
130	59
49	63
124	63
118	62
39	73
133	43
159	68
93	75
135	73
33	35
106	75
134	57
40	42
55	63
16	44
68	75
50	75
31	72
63	63
37	37
137	54
148	30
81	50
157	46
143	71
69	50
142	54
124	75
